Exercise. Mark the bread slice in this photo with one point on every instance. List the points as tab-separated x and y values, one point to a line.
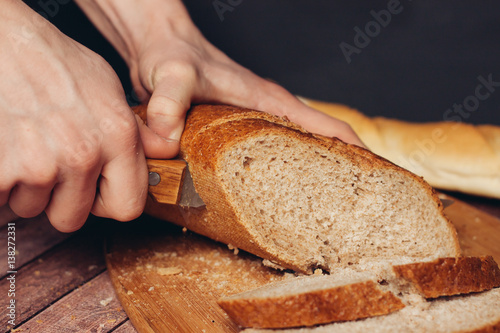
359	292
468	313
311	300
451	276
300	200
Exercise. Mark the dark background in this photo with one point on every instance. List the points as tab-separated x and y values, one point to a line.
427	58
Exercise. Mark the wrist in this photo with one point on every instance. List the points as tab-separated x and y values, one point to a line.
132	26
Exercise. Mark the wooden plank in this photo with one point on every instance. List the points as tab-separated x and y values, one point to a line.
58	271
169	282
126	327
93	307
33	237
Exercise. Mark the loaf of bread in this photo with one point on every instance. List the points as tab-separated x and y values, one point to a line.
300	200
449	155
359	292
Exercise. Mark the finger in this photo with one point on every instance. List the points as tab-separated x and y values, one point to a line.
318	122
71	202
29	201
168	106
154	145
270	97
123	187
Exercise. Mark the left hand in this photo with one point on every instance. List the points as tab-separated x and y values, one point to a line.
173	65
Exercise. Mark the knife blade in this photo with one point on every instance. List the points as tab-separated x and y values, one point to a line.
170	182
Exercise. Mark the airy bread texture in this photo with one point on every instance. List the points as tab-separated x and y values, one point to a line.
359	291
449	155
300	200
470	313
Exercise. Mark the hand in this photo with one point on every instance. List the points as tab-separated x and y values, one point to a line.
65	128
182	69
174	65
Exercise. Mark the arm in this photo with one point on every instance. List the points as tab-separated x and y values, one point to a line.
174	65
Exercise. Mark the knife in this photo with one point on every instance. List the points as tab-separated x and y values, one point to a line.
170	182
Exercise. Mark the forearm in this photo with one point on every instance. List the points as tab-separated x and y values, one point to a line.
130	25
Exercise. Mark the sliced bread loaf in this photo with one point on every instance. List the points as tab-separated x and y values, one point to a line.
353	293
476	313
300	200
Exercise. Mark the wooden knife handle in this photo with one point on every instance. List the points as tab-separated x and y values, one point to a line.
171	173
171	176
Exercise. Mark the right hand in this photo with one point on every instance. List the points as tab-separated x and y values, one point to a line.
65	128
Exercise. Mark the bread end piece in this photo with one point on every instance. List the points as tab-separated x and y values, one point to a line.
451	276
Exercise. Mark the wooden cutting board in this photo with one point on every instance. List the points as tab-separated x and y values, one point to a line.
169	280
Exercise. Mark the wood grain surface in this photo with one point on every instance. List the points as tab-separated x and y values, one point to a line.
168	280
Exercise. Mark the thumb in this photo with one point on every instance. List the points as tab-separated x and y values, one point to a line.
154	145
167	108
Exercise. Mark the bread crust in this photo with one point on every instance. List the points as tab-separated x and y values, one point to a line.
451	276
349	302
212	129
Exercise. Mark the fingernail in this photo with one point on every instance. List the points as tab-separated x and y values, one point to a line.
175	134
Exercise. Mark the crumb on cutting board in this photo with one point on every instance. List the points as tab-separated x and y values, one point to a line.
169	270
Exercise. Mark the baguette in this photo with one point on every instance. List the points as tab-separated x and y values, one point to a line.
303	201
449	155
355	293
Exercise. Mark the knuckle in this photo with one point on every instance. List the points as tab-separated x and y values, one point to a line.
161	106
86	157
132	208
183	70
129	213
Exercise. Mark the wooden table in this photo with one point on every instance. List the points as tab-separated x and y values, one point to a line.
62	285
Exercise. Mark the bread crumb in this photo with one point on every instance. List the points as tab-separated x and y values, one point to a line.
271	264
111	321
92	267
73	317
230	246
318	271
129	292
106	301
39	321
37	273
184	230
169	270
151	288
